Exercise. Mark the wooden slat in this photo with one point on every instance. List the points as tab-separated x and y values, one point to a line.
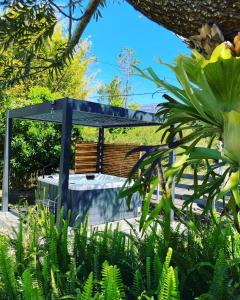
86	145
79	158
86	151
86	164
85	170
86	157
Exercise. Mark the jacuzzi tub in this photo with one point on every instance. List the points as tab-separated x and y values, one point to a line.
93	197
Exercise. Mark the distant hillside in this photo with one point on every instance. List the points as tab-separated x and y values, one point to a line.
152	108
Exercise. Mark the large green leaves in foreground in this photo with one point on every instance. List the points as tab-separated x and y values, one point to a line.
206	107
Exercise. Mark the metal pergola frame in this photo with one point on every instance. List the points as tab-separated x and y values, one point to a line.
71	112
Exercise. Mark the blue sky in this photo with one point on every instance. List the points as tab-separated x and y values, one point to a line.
122	26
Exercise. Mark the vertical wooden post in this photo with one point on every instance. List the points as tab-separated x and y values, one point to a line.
64	159
7	157
100	148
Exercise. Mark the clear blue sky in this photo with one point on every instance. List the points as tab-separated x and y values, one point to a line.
122	26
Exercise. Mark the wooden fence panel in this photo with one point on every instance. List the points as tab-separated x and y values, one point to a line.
115	161
86	158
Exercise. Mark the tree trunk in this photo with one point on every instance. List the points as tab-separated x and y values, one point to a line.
185	17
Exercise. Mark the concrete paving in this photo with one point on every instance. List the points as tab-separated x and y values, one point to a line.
8	222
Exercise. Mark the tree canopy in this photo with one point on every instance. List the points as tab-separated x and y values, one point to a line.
26	28
35	144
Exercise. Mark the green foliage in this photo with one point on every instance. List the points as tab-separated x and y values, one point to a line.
205	106
39	94
138	136
218	288
168	284
200	263
27	29
112	287
20	249
88	288
112	93
7	271
35	144
30	287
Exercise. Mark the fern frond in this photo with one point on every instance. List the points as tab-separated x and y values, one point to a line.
175	286
137	288
112	287
7	273
46	276
88	288
55	292
27	285
169	289
165	269
148	273
31	289
53	252
218	288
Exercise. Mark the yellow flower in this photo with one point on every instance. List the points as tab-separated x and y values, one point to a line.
222	51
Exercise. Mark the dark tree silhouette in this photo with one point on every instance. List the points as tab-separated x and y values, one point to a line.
185	17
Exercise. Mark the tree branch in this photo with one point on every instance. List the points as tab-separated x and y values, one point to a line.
85	19
70	21
63	13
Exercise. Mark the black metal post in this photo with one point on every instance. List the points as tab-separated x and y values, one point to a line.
7	156
64	159
171	160
100	150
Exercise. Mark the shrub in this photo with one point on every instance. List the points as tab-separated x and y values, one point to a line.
45	262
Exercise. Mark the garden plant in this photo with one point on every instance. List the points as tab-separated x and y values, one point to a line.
205	106
199	258
41	261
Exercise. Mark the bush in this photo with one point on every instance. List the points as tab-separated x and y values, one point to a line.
45	262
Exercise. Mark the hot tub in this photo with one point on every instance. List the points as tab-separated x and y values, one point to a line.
95	197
